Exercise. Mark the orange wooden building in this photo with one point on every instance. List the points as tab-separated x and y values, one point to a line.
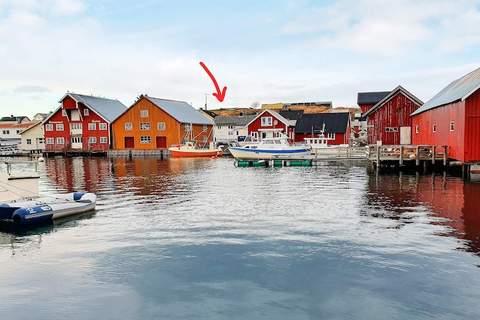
153	123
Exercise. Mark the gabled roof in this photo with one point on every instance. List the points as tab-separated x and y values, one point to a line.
291	114
15	118
458	90
33	124
334	122
239	121
109	109
398	89
180	110
277	115
371	97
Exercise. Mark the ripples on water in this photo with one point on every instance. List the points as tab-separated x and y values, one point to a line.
200	239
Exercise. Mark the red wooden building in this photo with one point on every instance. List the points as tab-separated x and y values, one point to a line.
452	118
81	124
271	124
336	127
389	120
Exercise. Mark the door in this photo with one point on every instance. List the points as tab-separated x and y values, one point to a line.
161	142
129	142
405	135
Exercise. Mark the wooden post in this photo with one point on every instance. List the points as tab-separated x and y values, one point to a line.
417	156
433	154
378	156
401	155
445	155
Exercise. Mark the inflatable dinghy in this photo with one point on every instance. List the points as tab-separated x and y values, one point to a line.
42	210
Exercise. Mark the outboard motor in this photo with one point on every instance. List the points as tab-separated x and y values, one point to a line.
33	215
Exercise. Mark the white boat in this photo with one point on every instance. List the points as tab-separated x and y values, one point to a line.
20	203
276	148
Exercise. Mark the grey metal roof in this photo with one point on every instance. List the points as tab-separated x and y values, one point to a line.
108	108
459	89
371	97
238	121
181	111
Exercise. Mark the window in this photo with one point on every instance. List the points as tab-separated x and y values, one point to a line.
205	128
49	127
144	113
434	128
231	127
103	140
128	126
50	140
145	139
417	129
29	141
92	140
76	140
331	135
64	112
59	127
60	140
254	135
267	121
76	126
161	126
86	112
92	126
6	131
452	126
40	140
391	129
18	131
102	126
145	126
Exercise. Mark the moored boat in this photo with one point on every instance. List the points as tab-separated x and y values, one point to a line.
270	149
189	150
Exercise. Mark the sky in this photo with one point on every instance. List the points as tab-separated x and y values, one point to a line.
263	51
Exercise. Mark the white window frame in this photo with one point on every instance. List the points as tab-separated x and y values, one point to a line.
29	141
50	141
76	126
161	126
40	140
92	140
128	126
86	112
145	140
102	126
417	129
103	140
76	140
205	128
266	121
60	140
145	126
391	129
254	134
59	127
144	113
92	125
331	135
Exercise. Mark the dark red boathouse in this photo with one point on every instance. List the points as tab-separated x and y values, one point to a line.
452	118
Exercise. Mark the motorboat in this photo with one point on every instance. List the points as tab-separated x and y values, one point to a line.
21	204
189	150
275	148
46	209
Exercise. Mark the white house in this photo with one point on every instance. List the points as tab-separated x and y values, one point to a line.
231	128
10	132
32	138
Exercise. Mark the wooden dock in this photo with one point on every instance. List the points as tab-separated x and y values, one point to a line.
404	155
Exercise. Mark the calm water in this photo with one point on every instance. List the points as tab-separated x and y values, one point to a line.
200	239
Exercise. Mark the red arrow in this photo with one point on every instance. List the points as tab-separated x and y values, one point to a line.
220	95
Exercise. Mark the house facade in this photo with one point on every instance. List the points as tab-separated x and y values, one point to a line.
153	123
452	118
270	124
81	123
10	132
389	121
334	126
32	138
231	128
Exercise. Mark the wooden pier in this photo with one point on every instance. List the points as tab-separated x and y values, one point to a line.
407	155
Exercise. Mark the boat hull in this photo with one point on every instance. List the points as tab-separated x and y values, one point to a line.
266	154
179	153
